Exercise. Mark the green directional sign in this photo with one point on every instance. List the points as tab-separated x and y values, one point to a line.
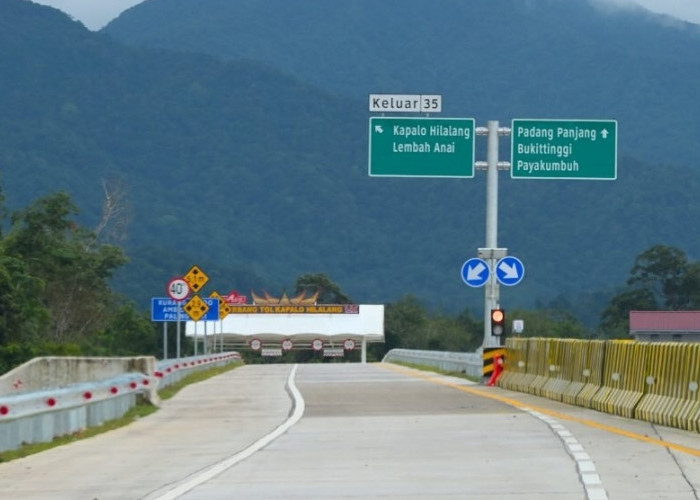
421	147
564	149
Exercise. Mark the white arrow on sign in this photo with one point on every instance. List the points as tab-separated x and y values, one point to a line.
604	133
509	271
378	129
474	273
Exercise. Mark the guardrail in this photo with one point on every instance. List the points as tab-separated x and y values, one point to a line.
39	416
470	363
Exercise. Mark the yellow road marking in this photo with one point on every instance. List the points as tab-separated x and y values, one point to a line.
563	416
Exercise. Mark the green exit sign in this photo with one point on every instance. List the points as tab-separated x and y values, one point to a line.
564	149
421	147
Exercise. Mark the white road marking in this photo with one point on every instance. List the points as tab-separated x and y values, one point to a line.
586	468
212	471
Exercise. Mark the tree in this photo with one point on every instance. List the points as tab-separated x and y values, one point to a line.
116	213
330	292
615	318
72	267
662	271
405	324
22	316
556	323
129	333
661	278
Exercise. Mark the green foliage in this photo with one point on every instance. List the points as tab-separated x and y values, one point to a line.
72	266
615	318
129	333
554	323
283	162
55	296
12	355
408	325
330	292
662	278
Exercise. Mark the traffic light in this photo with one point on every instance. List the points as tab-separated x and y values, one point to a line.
498	322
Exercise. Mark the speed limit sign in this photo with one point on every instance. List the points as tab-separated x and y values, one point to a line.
287	345
178	289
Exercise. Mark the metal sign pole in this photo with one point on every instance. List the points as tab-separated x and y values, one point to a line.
205	349
491	290
179	302
165	340
195	338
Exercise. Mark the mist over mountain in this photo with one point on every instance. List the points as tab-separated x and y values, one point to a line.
238	131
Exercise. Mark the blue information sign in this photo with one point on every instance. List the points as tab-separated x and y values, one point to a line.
166	309
475	272
509	271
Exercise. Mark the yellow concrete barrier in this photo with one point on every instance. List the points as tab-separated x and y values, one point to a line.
588	374
656	382
537	356
670	375
560	368
515	368
622	386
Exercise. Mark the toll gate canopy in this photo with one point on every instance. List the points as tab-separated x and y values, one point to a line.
306	326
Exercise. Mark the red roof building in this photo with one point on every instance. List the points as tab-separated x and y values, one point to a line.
665	326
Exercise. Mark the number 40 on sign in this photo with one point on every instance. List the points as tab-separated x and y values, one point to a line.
178	289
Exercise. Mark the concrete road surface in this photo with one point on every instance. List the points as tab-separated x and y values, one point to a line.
364	431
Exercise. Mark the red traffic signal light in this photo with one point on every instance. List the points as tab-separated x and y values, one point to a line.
498	321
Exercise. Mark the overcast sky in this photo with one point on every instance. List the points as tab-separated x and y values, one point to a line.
96	13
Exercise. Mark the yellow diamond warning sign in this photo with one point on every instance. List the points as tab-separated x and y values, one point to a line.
196	308
196	278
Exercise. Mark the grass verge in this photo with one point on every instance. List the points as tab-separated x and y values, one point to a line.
139	411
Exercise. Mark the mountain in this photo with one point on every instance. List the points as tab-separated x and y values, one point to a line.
491	60
258	173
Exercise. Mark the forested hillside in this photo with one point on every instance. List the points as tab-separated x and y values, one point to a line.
259	177
491	60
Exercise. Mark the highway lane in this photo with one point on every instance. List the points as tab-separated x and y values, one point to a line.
367	431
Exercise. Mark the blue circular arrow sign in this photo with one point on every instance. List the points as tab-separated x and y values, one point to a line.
509	271
475	272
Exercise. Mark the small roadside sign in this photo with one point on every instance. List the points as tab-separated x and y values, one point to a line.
510	271
196	308
178	289
475	272
196	278
166	309
405	103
